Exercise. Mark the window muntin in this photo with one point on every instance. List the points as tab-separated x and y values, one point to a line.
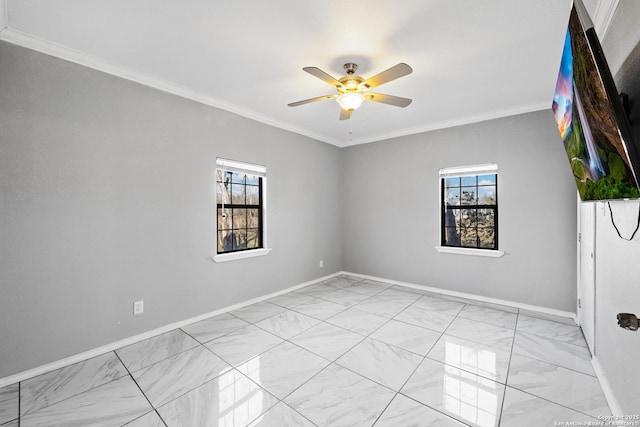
469	210
240	206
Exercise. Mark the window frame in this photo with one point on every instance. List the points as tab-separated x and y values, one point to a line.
459	172
259	171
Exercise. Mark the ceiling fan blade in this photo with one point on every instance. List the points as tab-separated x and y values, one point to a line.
318	98
396	101
317	72
345	114
388	75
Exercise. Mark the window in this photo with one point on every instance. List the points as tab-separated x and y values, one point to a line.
240	196
469	210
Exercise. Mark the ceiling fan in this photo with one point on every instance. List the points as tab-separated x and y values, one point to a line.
352	89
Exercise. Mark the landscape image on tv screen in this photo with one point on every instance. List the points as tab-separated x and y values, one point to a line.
587	122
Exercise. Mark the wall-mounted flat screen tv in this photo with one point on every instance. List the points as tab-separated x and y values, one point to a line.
591	119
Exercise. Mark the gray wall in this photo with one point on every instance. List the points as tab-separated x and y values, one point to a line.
392	222
617	267
107	196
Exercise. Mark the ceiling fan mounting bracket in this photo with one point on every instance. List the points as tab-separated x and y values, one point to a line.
350	68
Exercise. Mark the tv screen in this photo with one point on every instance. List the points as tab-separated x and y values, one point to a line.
591	119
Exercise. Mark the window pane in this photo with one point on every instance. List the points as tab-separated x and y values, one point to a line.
469	196
240	239
253	180
225	241
237	194
468	180
450	217
469	217
253	195
487	195
452	197
253	218
224	219
452	182
486	179
469	236
452	236
238	178
486	218
222	191
487	238
253	240
239	218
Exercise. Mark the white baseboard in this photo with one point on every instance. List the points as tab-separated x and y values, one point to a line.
614	406
43	369
515	304
21	376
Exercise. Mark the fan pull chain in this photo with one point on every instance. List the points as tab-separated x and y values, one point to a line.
350	132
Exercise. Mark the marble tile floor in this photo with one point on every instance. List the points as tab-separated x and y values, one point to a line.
345	352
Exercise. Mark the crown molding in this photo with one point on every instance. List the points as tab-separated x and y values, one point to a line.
605	11
498	114
28	41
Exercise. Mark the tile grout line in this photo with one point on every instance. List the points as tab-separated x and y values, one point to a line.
321	370
141	391
72	395
556	365
552	363
198	343
444	363
411	376
506	378
295	389
561	341
364	337
223	335
334	362
554	402
294	344
540	397
386	407
483	321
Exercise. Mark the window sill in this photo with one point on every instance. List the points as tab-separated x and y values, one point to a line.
468	251
240	255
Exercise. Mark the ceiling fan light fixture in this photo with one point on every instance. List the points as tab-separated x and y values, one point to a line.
353	90
350	101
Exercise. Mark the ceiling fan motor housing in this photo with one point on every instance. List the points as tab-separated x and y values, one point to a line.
351	82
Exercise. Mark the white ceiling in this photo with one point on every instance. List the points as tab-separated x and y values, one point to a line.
472	60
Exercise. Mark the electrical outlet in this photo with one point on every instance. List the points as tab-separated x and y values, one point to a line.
321	264
138	307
